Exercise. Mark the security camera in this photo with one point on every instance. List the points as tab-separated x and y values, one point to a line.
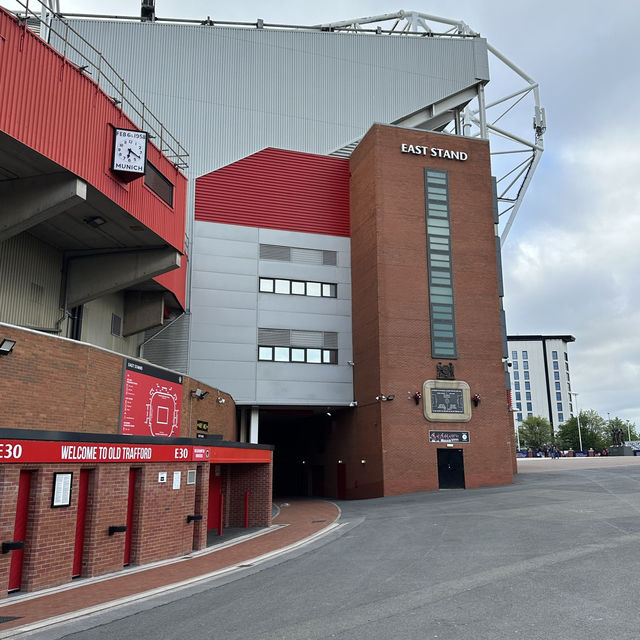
353	404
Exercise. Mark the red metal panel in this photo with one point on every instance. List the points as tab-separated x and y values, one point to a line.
20	530
278	189
50	106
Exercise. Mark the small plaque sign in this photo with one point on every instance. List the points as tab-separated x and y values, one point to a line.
449	436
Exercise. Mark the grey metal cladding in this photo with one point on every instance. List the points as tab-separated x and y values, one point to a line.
228	92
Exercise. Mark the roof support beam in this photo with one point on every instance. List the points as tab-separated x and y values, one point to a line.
93	276
29	201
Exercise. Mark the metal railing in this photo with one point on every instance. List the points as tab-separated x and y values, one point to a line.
90	61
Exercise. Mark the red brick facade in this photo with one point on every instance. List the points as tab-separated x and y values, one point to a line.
391	325
55	385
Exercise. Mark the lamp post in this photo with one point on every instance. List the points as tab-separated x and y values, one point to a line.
573	393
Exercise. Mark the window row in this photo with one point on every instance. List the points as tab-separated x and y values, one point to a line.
298	354
440	273
298	287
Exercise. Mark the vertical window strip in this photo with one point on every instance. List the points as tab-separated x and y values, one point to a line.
441	301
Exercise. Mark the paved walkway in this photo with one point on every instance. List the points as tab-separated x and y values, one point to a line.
297	521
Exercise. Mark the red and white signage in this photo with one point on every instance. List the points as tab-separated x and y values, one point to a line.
39	451
151	401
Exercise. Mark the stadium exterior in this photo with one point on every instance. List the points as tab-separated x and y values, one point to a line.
342	241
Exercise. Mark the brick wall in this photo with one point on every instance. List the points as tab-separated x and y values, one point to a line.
55	384
257	480
392	340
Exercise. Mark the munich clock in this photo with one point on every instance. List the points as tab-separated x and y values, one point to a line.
129	151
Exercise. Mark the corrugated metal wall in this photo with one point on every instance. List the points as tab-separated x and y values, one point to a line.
96	325
30	288
168	346
228	92
278	189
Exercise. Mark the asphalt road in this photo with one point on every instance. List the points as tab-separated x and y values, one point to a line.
556	555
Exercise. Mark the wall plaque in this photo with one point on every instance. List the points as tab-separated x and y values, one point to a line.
446	401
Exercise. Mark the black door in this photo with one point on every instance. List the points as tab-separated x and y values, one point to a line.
450	469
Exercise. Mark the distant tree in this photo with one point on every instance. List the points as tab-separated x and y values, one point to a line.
628	428
535	431
594	430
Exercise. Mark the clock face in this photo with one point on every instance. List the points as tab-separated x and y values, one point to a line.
129	151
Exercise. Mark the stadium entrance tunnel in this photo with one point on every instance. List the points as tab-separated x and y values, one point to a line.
300	437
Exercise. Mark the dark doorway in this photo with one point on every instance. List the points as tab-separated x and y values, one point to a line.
450	469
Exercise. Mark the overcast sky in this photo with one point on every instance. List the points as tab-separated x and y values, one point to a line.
571	262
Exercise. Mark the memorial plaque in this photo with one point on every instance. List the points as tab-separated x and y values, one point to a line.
447	401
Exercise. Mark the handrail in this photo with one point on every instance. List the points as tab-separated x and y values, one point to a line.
91	61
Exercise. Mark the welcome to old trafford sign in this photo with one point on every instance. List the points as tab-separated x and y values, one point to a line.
434	152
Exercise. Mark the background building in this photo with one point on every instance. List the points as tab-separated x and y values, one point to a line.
540	379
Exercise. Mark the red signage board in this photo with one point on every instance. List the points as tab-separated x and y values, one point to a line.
151	401
51	452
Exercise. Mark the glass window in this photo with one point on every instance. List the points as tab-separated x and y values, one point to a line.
519	417
281	354
529	406
554	355
516	375
560	417
329	290
265	353
515	364
526	375
297	355
555	364
557	386
527	395
314	355
527	385
297	288
314	289
525	364
559	405
518	405
525	355
518	397
517	385
556	375
514	355
558	395
566	356
329	356
530	415
266	285
283	286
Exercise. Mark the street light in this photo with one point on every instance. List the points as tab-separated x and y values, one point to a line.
573	393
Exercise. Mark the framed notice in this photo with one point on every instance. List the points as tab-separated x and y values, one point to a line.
151	401
62	482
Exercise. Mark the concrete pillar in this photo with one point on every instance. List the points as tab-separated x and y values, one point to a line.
253	432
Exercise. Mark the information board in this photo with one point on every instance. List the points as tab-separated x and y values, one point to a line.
151	400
